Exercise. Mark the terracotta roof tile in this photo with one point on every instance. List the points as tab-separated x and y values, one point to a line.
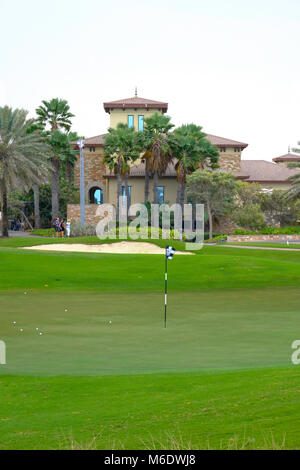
97	140
288	157
135	102
223	142
215	140
138	171
264	171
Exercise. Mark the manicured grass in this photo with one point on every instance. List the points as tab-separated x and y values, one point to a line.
219	376
253	409
210	268
230	330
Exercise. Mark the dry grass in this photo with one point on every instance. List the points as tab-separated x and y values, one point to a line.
171	442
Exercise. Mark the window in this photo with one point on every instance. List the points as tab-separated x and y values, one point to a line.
237	149
124	195
141	123
222	149
130	120
160	194
96	196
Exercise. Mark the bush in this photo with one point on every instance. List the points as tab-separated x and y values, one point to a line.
217	239
85	231
270	231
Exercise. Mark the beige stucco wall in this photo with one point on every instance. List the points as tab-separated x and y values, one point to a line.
138	190
120	115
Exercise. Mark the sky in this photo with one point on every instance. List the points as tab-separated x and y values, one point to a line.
230	66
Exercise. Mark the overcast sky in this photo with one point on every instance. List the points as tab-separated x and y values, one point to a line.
230	66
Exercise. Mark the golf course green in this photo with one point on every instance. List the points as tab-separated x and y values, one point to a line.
89	364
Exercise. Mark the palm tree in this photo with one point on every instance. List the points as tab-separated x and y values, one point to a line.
36	199
55	115
23	156
158	153
294	191
192	150
122	147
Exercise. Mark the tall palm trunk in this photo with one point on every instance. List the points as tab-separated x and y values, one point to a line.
182	196
4	211
36	195
178	192
210	222
127	195
119	191
146	185
69	172
155	184
55	186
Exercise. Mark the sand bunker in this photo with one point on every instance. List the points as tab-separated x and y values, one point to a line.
117	248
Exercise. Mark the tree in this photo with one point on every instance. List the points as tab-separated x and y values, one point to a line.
249	217
191	149
121	148
37	215
279	209
23	156
70	157
247	212
248	193
158	152
56	116
215	189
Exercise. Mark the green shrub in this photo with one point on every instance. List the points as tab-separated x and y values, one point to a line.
270	231
217	239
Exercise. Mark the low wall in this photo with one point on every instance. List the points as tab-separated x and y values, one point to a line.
262	238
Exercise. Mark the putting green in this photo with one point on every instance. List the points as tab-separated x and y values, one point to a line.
122	333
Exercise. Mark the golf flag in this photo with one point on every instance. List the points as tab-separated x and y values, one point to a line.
170	251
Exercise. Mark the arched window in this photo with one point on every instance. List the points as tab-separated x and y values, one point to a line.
96	196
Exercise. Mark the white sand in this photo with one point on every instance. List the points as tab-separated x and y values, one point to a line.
117	248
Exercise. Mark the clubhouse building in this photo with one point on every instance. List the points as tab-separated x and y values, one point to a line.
101	183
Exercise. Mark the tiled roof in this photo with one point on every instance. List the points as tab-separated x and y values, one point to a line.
260	171
288	157
215	140
138	171
223	142
92	141
135	102
263	171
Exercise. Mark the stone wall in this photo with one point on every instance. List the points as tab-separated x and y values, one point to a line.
91	218
262	238
94	169
230	162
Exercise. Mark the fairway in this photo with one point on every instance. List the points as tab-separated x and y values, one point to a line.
104	366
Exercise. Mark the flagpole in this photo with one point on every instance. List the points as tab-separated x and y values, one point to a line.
82	189
168	255
166	288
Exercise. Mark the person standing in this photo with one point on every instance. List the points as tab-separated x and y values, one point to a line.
56	225
62	228
68	228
